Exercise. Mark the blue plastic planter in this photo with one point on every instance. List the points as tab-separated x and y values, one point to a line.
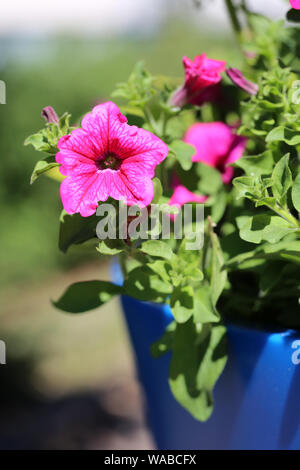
257	399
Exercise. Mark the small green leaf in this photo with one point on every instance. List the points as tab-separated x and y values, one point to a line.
282	179
245	186
296	193
284	134
158	191
165	343
43	166
218	204
83	296
210	179
218	271
276	230
183	153
36	140
160	267
182	303
256	165
143	284
204	311
255	229
111	247
75	229
157	249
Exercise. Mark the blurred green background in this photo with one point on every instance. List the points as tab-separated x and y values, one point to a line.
50	355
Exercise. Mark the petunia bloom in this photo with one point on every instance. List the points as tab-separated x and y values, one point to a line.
242	82
202	76
295	4
216	145
182	195
107	158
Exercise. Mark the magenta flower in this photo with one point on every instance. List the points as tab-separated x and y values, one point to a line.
182	195
107	158
295	4
217	146
242	82
202	77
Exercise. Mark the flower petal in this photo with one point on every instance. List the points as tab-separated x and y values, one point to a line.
212	142
105	133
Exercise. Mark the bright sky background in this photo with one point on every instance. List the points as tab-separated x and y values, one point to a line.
109	17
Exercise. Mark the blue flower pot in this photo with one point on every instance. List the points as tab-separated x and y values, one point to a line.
257	398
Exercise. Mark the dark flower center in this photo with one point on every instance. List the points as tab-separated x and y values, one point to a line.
111	162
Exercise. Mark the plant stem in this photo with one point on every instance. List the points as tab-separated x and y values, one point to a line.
233	17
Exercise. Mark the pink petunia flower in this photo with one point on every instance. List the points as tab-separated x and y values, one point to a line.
216	145
107	158
237	77
182	195
202	78
295	4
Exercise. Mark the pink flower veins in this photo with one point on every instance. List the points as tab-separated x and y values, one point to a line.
107	158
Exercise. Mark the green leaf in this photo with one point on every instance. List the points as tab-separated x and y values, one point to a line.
204	311
37	141
83	296
218	204
111	247
210	179
245	186
160	267
282	179
255	229
165	343
143	284
43	166
286	250
198	360
256	165
183	153
157	249
75	229
296	193
284	134
182	303
276	230
158	191
218	272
